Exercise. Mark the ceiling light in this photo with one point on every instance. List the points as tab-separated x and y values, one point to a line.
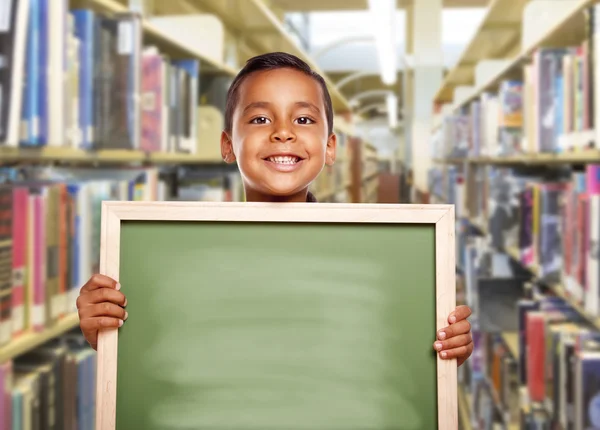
383	17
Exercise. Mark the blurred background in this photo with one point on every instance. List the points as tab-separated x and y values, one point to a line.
489	105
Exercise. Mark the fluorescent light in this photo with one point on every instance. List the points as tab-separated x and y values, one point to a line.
383	18
392	109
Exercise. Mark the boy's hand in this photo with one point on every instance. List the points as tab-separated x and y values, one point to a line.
455	341
100	305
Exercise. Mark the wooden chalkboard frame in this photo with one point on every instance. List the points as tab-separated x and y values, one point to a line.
442	216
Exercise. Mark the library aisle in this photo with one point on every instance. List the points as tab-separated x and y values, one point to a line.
488	105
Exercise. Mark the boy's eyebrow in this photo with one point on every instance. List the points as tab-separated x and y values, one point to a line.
263	105
257	105
309	106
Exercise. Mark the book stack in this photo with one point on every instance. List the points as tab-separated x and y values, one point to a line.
85	80
50	387
50	244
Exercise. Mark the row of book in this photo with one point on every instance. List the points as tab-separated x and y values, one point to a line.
555	97
547	376
86	80
50	244
547	220
52	387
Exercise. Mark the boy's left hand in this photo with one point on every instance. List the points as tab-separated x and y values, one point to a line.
455	341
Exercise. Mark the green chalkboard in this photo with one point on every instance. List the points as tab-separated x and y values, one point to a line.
275	325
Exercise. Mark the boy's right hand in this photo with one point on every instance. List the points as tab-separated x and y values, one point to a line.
100	305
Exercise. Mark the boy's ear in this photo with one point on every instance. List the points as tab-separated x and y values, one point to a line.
330	151
227	148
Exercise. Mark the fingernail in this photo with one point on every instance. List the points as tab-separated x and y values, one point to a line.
126	315
118	286
120	323
125	303
452	319
442	335
438	346
444	354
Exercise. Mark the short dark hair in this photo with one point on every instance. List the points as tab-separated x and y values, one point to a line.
270	61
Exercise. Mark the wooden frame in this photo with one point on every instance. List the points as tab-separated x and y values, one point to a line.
442	216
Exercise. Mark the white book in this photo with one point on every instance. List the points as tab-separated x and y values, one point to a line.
17	73
57	47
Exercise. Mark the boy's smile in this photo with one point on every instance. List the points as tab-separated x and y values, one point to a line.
279	135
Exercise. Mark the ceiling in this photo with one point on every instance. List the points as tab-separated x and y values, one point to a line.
331	5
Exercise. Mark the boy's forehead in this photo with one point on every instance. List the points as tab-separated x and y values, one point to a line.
280	85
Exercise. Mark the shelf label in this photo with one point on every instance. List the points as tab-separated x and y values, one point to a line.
5	14
125	38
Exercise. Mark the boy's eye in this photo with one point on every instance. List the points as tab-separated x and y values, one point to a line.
305	120
259	120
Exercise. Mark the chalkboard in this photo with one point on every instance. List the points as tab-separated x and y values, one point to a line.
277	316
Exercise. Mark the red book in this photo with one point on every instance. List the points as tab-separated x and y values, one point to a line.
536	356
37	316
19	267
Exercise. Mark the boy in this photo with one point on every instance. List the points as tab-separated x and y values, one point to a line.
279	130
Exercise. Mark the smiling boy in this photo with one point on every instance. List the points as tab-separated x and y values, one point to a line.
279	131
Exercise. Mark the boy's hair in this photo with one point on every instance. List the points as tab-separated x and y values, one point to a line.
270	61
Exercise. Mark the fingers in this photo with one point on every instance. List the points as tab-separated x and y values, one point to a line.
461	327
101	295
100	281
455	342
460	313
105	309
461	350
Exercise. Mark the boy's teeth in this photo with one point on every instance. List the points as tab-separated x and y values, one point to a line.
284	160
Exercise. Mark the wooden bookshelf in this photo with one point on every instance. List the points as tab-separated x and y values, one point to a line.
502	24
159	38
566	31
66	155
581	157
511	339
557	288
264	32
31	340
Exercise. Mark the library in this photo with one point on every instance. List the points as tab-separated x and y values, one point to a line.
484	108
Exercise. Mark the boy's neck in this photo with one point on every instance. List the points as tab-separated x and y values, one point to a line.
255	196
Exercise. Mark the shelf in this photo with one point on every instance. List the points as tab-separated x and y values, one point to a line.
580	157
511	339
370	175
570	25
502	24
261	29
175	158
54	153
31	340
154	36
556	288
124	156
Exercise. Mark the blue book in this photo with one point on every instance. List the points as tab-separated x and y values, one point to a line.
31	118
86	30
42	83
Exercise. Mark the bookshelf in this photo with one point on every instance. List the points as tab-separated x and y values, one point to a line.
31	340
502	24
525	177
568	29
262	29
153	35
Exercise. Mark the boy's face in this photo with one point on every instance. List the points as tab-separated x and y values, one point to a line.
279	135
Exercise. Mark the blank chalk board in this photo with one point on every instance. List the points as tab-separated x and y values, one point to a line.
277	316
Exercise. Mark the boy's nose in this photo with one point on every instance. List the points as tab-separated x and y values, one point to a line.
283	135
